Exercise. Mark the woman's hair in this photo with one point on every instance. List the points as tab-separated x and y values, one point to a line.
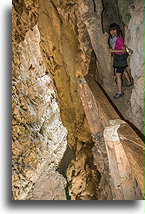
115	26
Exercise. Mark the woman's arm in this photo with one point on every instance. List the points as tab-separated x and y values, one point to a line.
123	50
119	46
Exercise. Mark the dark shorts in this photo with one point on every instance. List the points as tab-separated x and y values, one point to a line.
120	60
120	70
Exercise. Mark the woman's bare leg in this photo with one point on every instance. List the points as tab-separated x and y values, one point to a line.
119	82
127	77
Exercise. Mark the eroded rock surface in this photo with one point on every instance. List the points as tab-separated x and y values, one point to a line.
134	34
82	175
39	138
50	186
55	43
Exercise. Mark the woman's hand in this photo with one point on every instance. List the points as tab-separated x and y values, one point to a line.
123	50
111	50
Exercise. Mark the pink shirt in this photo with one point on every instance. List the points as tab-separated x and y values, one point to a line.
119	44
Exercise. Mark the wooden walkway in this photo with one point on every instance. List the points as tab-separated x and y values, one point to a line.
125	149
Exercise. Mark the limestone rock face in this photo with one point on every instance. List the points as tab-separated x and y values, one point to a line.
125	8
61	53
39	138
111	14
134	36
50	186
82	175
55	44
101	163
119	11
91	17
41	54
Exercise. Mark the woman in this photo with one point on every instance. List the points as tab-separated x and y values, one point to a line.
117	47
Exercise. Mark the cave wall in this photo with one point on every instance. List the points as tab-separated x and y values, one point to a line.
47	61
59	46
53	42
125	9
67	51
91	13
134	39
39	138
111	14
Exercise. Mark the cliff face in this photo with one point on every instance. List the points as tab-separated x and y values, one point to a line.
61	53
46	61
134	37
39	137
55	44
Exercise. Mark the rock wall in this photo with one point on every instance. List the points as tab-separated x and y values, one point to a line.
55	44
134	37
91	13
46	61
60	49
82	175
111	13
67	51
125	9
39	138
49	186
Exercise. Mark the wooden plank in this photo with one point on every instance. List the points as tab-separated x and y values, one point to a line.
122	177
134	149
89	107
125	154
107	112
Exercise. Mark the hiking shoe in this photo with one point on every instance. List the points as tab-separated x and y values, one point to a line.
118	95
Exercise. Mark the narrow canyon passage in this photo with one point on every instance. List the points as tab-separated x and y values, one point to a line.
63	105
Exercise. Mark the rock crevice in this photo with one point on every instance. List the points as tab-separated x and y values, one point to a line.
55	45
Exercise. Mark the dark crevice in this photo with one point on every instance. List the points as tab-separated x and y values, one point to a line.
108	18
58	15
94	5
63	165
